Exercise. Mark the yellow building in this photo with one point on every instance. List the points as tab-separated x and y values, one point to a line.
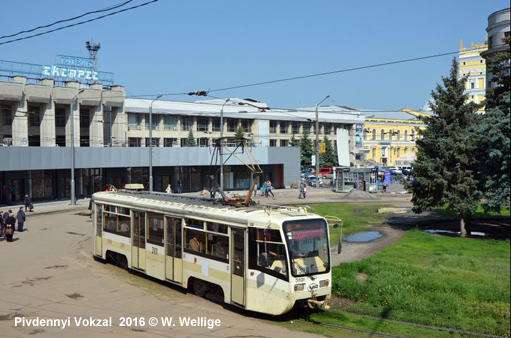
473	67
389	137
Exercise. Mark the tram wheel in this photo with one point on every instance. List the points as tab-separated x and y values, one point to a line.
200	287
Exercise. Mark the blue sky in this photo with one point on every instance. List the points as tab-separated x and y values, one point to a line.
175	47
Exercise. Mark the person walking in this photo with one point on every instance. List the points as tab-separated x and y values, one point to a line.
255	190
301	191
169	189
179	186
263	190
21	217
10	225
28	203
269	189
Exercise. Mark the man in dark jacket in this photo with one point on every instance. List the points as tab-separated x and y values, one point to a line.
21	217
28	203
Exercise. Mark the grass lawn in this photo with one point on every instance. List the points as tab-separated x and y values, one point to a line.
457	283
478	214
430	279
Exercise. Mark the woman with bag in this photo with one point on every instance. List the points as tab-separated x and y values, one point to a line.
10	224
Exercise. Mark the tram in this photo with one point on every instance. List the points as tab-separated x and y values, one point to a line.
265	259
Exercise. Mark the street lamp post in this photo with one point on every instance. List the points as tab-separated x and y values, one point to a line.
72	114
317	141
151	143
220	149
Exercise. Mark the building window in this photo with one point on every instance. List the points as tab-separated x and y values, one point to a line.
232	125
156	142
295	127
245	124
170	142
327	128
413	135
374	134
273	127
391	134
202	124
6	111
406	135
284	127
365	135
307	127
284	143
472	84
60	117
134	121
84	118
399	135
187	123
34	114
273	143
155	121
382	135
398	152
183	142
216	125
170	123
203	142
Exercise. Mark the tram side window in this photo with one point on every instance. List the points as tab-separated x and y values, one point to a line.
156	230
265	255
194	223
218	247
195	241
116	224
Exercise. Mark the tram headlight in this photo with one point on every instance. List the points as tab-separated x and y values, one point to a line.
324	282
299	287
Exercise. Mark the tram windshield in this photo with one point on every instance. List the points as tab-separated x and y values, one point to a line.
307	241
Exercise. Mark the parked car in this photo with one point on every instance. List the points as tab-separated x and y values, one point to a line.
394	169
311	181
306	172
324	172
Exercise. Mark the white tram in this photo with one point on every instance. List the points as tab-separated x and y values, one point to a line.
260	258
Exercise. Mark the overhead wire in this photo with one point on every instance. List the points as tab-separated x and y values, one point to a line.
79	23
66	20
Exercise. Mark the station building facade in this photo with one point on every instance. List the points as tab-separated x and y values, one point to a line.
40	121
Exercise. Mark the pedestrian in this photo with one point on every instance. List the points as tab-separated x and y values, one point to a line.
10	226
269	189
263	189
212	193
169	189
384	186
301	191
6	215
90	208
255	190
179	186
21	217
1	225
27	202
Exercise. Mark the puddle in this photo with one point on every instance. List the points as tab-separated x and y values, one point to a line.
451	232
363	236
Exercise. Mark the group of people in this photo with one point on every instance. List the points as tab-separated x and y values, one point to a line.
8	223
266	189
179	187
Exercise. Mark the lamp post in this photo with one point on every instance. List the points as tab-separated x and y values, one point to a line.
73	195
151	143
220	150
317	141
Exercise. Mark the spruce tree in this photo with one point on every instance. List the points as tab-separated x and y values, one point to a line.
306	151
190	140
240	135
294	142
445	169
495	130
329	158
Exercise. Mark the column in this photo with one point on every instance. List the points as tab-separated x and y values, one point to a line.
48	125
97	122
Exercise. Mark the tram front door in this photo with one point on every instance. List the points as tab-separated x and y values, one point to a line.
138	241
173	250
238	266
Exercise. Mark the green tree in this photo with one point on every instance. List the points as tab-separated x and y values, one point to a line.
329	158
495	129
445	169
306	151
190	140
294	142
240	135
